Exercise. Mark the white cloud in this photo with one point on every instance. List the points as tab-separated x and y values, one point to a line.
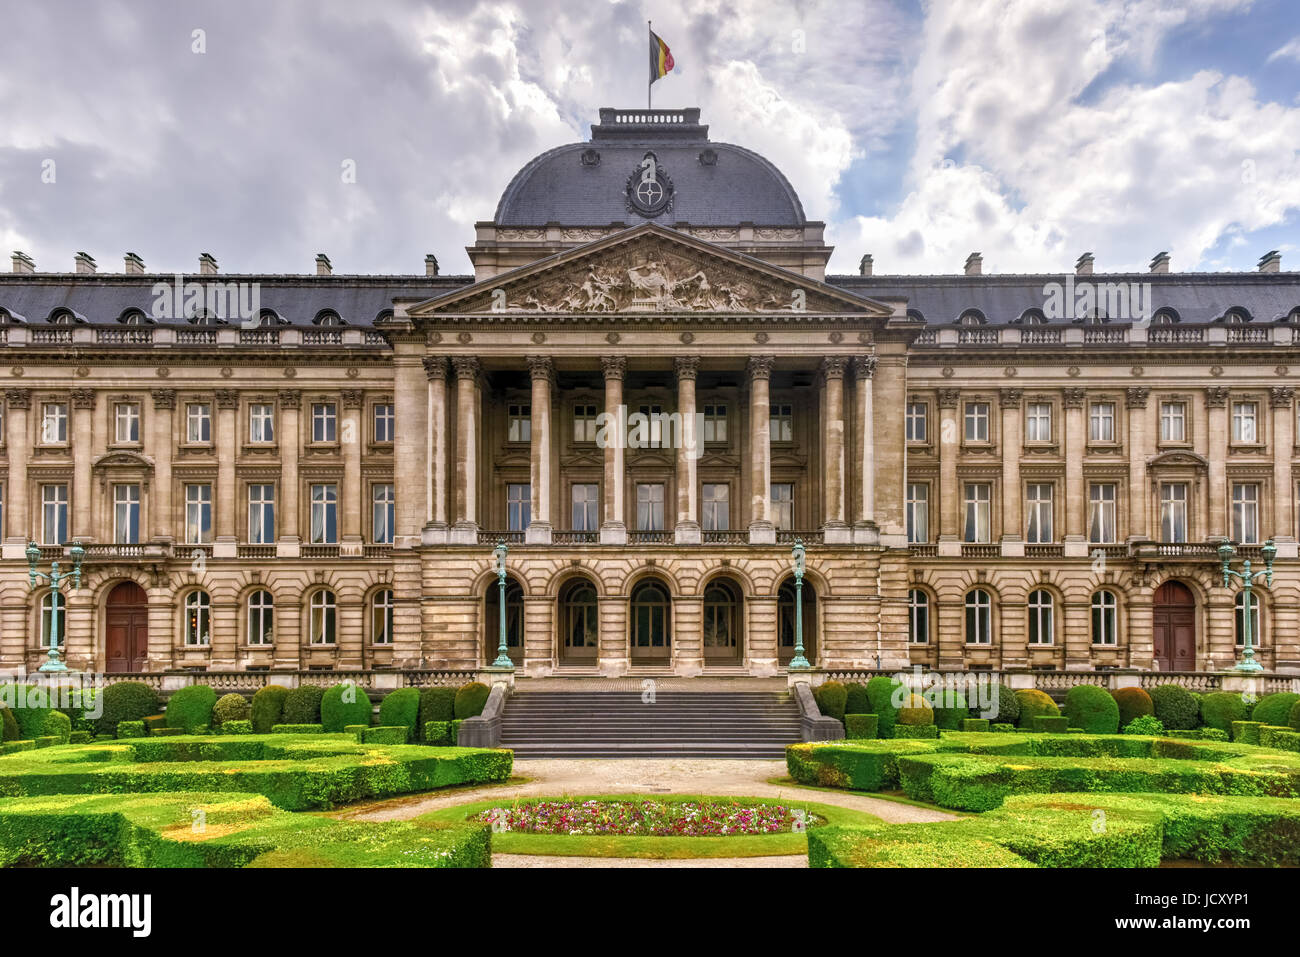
1290	51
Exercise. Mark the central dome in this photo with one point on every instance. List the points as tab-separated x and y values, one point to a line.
649	166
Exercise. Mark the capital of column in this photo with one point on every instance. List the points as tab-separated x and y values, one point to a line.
541	367
1010	398
18	398
948	398
353	398
1074	398
1281	398
164	399
227	399
614	367
1216	397
290	399
467	367
864	367
435	367
760	367
833	367
83	398
1136	398
686	366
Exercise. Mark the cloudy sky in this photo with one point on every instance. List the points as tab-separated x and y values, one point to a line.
1030	130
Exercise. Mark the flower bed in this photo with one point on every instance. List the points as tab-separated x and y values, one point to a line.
648	818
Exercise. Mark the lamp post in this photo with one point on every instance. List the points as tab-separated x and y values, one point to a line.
56	580
798	662
503	653
1247	579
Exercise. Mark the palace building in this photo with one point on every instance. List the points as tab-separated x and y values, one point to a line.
649	389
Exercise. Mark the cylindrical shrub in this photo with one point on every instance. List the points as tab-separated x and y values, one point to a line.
342	705
302	705
125	701
230	707
470	699
11	730
915	712
1220	708
1293	721
1034	703
1275	709
997	702
58	724
1133	703
856	700
1144	724
190	708
880	695
401	708
831	698
1176	708
268	708
436	704
1092	708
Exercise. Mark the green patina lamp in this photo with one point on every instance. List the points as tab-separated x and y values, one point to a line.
503	652
56	580
1247	578
798	662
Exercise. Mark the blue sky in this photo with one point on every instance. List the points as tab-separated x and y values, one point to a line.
1029	130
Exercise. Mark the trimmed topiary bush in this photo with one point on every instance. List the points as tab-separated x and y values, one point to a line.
1246	732
1002	700
30	706
191	707
79	737
58	725
1001	728
915	712
302	705
438	733
1293	722
1092	708
860	726
915	731
1133	703
453	731
237	726
125	701
437	704
1051	723
268	708
395	734
11	730
297	729
950	708
1034	703
357	731
831	698
1282	738
856	699
974	724
470	700
230	707
880	694
130	729
342	705
1220	708
1176	708
169	732
154	723
1275	709
401	708
1144	724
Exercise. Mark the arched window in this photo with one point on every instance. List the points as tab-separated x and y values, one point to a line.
1236	316
971	317
1041	608
5	317
62	317
328	317
54	619
650	619
579	619
918	617
381	617
261	618
1032	317
321	626
1105	618
1165	317
1294	315
198	619
721	619
1256	631
979	618
134	317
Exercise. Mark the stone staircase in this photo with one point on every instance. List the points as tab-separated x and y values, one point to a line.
678	724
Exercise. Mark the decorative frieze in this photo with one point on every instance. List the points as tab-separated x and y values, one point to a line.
18	398
1216	397
290	399
227	399
1136	398
1074	398
164	399
83	398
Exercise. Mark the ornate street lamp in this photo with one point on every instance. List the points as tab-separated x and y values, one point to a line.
798	662
1247	579
56	580
503	653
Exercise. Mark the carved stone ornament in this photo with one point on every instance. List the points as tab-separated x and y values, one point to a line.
650	191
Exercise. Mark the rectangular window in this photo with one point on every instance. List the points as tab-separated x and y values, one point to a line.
54	423
781	423
1038	509
917	430
198	423
519	423
384	423
198	514
261	514
1101	422
715	423
1173	512
584	423
54	514
977	421
918	617
324	514
1101	514
519	504
1173	422
383	513
1245	513
979	512
650	507
261	423
586	507
1038	422
716	500
1244	422
324	422
783	504
126	514
126	422
918	512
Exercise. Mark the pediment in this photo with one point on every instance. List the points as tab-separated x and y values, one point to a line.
649	269
122	459
1181	458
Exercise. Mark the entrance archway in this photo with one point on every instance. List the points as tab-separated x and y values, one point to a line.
785	611
126	629
514	621
579	622
1173	627
723	613
651	622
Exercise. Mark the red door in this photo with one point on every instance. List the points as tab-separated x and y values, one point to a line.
126	626
1174	628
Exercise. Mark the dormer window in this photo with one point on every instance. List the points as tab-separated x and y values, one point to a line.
1236	316
971	317
133	317
204	317
328	317
1033	317
268	318
1165	317
62	317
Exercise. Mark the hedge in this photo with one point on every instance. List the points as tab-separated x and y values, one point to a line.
1246	732
172	732
1132	703
1051	723
29	704
191	707
861	726
12	732
58	725
1092	708
130	729
302	705
1175	707
154	723
437	704
880	693
470	699
832	698
1220	708
386	734
438	733
268	708
856	699
866	766
79	737
12	747
1197	734
401	708
1144	724
1283	739
243	726
950	708
298	729
344	704
1275	708
1293	722
1008	705
230	707
1000	728
915	731
453	731
975	724
1033	703
125	701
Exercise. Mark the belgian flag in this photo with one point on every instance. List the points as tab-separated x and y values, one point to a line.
661	59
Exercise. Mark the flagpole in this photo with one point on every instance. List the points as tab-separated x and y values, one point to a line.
649	79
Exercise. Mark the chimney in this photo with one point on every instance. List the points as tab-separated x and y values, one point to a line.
1084	266
974	264
23	263
207	264
323	267
1160	264
1271	261
864	267
431	265
134	265
85	264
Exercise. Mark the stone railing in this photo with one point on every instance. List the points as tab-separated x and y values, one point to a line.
1049	681
249	681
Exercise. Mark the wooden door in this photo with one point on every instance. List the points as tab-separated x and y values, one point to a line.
1173	628
126	629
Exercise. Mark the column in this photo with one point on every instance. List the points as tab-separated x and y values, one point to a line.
467	369
17	521
1216	431
865	368
161	517
227	401
687	529
354	492
1281	400
411	471
1135	400
1075	437
889	396
613	531
1013	529
82	428
948	495
541	370
835	527
290	435
761	531
435	370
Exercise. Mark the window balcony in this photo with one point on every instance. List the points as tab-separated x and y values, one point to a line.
1176	551
256	551
658	537
787	536
724	537
489	537
570	537
980	550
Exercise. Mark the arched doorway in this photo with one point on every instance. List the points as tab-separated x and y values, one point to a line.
126	629
651	622
1173	628
723	614
579	621
514	621
785	611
